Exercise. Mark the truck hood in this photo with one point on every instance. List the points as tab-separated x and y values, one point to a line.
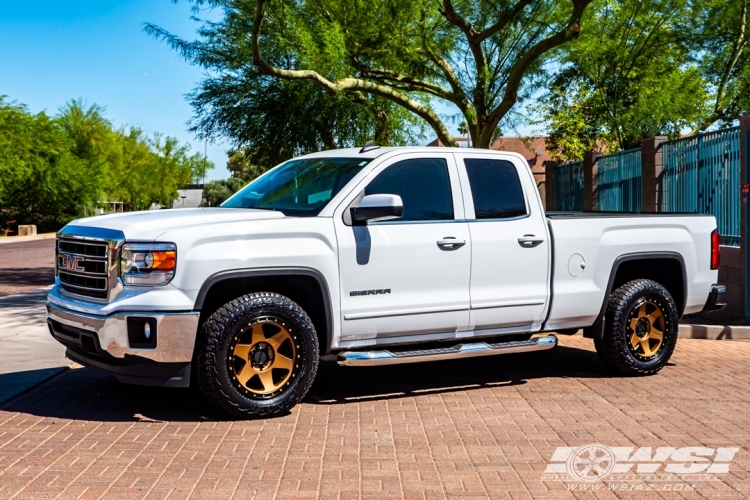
149	225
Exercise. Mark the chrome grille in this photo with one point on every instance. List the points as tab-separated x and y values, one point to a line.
82	267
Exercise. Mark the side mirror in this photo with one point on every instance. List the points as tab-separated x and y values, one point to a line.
377	207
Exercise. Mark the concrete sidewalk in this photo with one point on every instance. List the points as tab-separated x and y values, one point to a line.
32	237
28	353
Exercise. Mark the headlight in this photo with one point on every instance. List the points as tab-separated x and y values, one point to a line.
148	263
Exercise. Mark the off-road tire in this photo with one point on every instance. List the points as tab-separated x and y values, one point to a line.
614	349
216	338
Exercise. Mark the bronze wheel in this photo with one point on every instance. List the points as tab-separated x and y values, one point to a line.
646	326
257	356
263	357
640	331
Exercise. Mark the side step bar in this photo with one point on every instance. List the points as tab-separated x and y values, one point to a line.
378	358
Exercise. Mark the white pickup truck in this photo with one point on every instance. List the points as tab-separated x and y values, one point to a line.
371	257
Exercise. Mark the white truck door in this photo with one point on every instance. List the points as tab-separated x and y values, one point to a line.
407	276
510	242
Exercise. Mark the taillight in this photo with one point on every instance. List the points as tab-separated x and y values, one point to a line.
715	249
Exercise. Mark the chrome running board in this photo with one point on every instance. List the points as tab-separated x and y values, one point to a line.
377	358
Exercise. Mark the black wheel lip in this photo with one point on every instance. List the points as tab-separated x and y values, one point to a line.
227	348
656	299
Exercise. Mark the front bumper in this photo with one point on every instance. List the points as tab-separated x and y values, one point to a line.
102	343
715	300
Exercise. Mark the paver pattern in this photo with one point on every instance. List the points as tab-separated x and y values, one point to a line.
485	427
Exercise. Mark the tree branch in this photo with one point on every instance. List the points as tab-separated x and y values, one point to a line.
503	20
571	31
739	46
345	84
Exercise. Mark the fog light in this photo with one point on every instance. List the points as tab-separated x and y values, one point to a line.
147	331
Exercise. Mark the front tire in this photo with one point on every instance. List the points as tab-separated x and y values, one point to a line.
640	331
257	356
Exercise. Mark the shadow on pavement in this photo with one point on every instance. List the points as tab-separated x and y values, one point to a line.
28	276
83	394
12	384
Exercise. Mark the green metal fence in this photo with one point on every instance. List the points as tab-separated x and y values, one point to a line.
569	187
701	174
619	181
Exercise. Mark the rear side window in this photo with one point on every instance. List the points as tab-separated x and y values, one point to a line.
495	188
423	185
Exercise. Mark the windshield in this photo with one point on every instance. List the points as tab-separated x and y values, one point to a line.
299	188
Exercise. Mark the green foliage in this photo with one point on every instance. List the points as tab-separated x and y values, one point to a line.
43	182
623	80
348	70
720	33
55	169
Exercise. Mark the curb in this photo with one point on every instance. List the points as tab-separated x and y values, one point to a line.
714	332
32	237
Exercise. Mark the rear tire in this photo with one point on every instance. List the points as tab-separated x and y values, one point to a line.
640	331
257	356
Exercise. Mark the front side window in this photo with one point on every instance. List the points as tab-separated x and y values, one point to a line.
495	188
298	188
423	185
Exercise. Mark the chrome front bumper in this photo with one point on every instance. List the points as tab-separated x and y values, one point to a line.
101	342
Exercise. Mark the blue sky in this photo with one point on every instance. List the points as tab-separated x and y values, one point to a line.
52	51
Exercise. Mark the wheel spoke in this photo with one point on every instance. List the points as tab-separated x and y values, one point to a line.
242	351
642	311
654	316
646	347
258	333
246	374
282	362
656	334
634	340
266	378
278	339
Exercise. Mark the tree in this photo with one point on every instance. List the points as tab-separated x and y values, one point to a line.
475	54
625	79
273	120
721	32
43	182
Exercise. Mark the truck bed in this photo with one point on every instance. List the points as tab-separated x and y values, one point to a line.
592	239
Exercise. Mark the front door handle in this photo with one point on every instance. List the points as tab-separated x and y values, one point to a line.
529	241
450	243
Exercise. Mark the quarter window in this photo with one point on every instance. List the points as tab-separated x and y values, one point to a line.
495	188
423	185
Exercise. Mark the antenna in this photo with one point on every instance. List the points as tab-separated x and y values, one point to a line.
369	146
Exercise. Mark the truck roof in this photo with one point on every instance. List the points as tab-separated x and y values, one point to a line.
379	151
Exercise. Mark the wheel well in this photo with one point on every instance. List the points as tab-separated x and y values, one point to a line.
668	272
305	290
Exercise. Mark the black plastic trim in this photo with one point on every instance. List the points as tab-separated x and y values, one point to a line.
617	215
713	303
275	271
596	330
153	374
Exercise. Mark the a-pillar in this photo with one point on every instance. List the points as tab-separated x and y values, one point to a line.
651	166
591	181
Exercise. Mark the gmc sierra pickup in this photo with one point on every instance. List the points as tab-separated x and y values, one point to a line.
368	257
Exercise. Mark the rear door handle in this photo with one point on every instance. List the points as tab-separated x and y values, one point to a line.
529	240
450	243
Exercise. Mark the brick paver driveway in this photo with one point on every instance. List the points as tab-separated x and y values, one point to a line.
485	427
